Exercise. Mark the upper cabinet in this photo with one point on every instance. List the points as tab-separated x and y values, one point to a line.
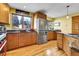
39	20
75	25
40	15
4	13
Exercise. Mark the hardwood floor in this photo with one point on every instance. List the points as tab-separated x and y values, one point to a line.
47	49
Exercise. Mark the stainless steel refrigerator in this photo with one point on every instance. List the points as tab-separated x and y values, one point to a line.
41	28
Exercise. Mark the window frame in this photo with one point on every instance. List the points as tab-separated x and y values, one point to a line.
22	20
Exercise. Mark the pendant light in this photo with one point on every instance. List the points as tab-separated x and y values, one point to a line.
67	12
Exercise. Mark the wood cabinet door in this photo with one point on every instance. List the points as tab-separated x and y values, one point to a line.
66	47
50	35
75	19
12	41
30	38
33	38
54	35
22	39
60	40
4	13
27	37
75	27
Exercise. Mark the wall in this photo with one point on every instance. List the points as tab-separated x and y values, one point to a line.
50	23
66	24
50	19
12	10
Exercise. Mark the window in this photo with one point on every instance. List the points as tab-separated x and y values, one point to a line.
21	22
57	25
27	23
50	25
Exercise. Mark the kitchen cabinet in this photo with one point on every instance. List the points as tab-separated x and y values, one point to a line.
60	40
51	35
22	39
27	38
40	15
75	19
16	40
75	25
4	13
75	53
33	38
12	41
66	47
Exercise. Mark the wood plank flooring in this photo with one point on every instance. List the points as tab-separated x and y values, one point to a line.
47	49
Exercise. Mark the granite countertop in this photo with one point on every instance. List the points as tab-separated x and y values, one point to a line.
73	35
18	31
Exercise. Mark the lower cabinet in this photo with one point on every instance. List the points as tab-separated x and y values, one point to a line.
29	38
66	47
60	40
16	40
51	35
33	38
22	39
12	41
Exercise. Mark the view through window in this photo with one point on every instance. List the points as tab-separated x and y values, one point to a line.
21	22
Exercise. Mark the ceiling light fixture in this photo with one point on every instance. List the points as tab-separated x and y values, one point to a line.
24	7
67	12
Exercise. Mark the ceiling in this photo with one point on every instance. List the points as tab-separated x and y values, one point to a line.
51	9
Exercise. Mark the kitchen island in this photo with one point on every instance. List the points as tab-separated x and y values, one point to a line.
70	44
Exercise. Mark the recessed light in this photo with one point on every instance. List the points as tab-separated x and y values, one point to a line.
24	7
